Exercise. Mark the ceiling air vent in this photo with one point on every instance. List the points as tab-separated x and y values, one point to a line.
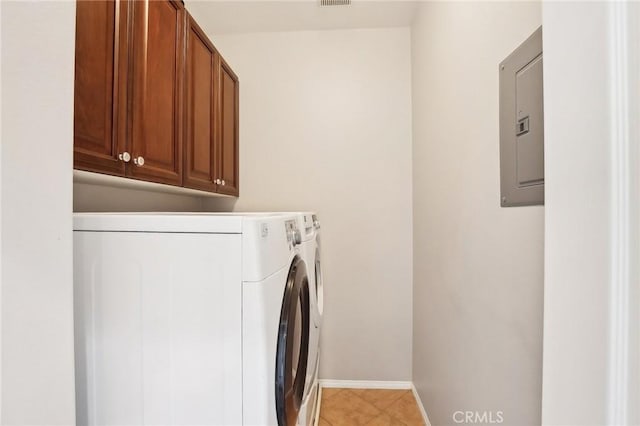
334	2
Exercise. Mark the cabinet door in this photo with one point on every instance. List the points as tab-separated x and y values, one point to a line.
228	146
100	85
158	67
202	118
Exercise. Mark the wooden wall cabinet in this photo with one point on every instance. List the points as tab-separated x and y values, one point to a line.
211	147
202	117
101	69
229	137
154	100
156	96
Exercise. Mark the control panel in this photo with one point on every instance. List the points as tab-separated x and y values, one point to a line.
293	233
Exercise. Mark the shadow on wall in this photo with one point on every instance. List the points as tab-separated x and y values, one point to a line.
219	204
98	198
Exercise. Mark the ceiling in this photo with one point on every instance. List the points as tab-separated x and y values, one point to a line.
247	16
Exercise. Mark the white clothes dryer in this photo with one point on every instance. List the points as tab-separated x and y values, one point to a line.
190	319
309	225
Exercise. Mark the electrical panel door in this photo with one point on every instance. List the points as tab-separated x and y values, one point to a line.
522	125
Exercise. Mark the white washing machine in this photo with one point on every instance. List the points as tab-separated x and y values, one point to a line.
190	319
309	225
278	304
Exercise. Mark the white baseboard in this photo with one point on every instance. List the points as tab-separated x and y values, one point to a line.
420	405
364	384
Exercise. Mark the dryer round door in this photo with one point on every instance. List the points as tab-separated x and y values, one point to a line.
293	344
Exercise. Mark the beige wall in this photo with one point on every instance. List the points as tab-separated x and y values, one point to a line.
37	283
478	268
325	125
101	198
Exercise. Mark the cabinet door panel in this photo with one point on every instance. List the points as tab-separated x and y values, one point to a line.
158	43
100	85
229	106
201	110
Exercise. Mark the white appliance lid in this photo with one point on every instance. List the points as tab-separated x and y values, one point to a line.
159	222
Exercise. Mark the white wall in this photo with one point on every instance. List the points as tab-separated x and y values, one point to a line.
592	231
478	268
0	227
37	138
325	125
573	395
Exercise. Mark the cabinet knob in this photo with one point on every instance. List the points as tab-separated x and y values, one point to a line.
139	161
218	182
124	156
223	184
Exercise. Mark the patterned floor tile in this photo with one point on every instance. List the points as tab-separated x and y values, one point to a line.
406	410
385	419
371	407
330	392
323	422
380	398
347	409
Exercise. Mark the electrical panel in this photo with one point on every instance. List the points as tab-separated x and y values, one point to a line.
522	125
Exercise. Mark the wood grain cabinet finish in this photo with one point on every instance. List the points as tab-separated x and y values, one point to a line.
157	76
149	84
100	85
202	110
229	134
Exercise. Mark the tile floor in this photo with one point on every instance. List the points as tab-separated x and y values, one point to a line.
376	407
